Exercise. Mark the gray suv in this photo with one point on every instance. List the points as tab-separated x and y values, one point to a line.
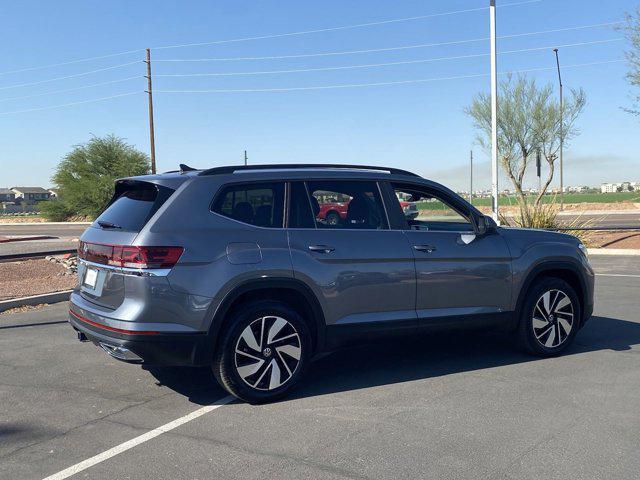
244	270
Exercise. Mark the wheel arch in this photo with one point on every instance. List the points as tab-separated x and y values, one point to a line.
564	270
287	290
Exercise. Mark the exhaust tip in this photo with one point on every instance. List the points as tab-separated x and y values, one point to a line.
121	353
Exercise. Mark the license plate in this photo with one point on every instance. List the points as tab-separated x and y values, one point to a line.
90	278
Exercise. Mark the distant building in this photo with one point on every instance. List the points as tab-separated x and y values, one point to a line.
578	189
31	195
53	192
620	187
7	195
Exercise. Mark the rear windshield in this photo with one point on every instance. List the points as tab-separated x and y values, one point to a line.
133	205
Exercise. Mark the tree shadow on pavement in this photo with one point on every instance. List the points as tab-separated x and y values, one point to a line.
398	360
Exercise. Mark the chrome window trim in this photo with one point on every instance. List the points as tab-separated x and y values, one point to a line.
136	272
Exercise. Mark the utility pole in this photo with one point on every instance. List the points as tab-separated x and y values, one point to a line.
494	112
471	177
561	133
150	93
245	158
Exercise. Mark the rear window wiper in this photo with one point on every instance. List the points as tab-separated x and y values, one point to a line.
104	224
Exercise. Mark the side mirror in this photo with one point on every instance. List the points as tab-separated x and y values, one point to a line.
484	225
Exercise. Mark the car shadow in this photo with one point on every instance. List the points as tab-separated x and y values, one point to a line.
196	383
406	359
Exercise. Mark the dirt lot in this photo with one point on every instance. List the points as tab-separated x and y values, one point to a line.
33	277
628	240
22	219
574	207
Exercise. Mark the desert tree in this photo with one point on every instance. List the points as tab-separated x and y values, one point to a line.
528	122
631	29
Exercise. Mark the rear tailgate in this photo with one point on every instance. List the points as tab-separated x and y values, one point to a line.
131	207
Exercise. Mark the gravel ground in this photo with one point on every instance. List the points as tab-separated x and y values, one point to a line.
33	277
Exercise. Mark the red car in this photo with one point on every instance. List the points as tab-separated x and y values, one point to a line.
334	213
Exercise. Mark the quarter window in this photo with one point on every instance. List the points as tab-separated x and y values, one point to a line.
259	204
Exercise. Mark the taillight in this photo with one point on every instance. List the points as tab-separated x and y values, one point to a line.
130	256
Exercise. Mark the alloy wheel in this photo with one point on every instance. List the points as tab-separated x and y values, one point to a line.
267	353
553	318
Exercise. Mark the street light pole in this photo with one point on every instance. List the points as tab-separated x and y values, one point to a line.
494	113
561	132
471	177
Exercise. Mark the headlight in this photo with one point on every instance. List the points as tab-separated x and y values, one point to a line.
584	250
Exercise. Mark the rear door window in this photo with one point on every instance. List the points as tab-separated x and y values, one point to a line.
259	204
134	204
347	205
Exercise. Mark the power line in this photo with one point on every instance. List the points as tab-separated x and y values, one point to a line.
343	27
319	87
376	84
375	65
387	49
93	100
71	62
70	89
264	37
82	74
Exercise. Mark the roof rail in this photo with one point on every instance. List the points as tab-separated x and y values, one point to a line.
301	166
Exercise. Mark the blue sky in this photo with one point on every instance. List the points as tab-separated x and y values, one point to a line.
418	126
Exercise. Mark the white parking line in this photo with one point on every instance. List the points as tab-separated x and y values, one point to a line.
123	447
615	275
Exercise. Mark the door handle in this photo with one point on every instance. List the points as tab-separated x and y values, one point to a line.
425	248
321	248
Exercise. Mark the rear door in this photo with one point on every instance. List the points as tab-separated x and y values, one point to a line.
361	271
459	275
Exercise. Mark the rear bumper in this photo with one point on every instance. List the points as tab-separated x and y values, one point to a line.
148	348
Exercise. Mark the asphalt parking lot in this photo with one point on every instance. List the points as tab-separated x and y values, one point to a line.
463	406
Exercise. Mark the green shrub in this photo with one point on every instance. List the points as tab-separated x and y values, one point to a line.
85	177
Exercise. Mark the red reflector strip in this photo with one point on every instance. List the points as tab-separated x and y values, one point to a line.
111	329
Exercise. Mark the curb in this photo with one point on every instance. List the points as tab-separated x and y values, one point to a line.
577	213
15	257
634	252
54	297
26	239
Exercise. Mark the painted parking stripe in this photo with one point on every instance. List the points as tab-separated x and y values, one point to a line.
615	275
128	445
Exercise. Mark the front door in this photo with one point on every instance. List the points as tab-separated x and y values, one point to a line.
342	246
460	275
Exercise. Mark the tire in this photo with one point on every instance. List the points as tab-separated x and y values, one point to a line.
255	359
333	218
548	333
